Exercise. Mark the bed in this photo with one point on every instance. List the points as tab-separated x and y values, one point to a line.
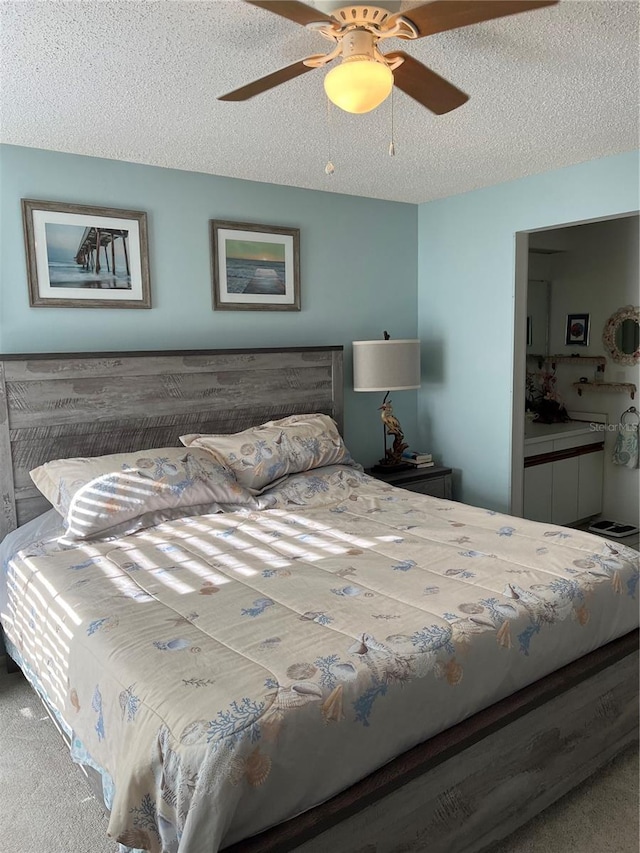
443	671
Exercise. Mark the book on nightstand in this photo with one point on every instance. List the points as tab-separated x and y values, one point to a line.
417	458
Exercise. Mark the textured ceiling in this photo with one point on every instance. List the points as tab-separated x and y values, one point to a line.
137	81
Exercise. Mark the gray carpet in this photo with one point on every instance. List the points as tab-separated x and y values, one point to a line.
46	807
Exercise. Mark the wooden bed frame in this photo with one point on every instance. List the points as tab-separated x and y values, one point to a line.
459	792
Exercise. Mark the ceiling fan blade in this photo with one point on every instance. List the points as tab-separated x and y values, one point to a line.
263	84
425	86
442	15
291	9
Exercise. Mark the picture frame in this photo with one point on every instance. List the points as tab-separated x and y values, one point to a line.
64	270
254	267
577	333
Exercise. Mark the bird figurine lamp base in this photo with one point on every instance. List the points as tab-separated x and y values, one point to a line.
392	459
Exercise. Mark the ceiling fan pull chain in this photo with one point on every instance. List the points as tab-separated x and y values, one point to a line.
392	145
329	169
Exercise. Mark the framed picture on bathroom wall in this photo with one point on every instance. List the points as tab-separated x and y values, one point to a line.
577	330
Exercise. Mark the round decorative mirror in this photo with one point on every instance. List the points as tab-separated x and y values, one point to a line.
621	336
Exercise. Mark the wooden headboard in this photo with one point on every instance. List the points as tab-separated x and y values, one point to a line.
59	405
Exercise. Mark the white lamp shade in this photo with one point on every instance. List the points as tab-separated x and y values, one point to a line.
392	365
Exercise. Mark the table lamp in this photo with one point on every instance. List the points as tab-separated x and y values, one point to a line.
387	365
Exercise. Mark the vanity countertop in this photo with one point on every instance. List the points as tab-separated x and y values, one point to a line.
537	432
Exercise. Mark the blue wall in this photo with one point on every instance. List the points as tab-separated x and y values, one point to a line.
466	289
358	269
366	265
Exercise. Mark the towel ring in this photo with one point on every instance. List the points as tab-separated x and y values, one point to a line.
630	411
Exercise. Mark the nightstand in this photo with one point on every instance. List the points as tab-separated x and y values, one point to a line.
434	481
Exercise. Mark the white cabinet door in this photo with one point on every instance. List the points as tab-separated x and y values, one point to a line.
538	488
590	484
564	504
565	491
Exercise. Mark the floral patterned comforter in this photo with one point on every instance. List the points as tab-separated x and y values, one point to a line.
227	672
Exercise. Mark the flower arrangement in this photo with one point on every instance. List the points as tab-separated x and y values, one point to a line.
543	398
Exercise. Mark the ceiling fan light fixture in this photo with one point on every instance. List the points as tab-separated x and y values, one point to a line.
359	84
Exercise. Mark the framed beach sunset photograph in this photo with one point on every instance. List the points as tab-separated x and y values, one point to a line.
85	257
255	267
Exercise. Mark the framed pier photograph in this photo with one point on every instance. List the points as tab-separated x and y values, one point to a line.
85	257
255	267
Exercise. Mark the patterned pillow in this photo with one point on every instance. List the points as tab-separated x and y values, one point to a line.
120	493
262	455
320	487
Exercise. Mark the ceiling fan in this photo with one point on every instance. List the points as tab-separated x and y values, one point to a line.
366	76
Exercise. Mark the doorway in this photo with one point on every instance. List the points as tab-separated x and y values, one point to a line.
566	257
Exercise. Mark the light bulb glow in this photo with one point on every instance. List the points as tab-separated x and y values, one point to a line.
358	85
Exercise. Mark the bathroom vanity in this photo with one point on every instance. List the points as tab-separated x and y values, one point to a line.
563	470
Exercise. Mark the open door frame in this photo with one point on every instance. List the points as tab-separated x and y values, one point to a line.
519	377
